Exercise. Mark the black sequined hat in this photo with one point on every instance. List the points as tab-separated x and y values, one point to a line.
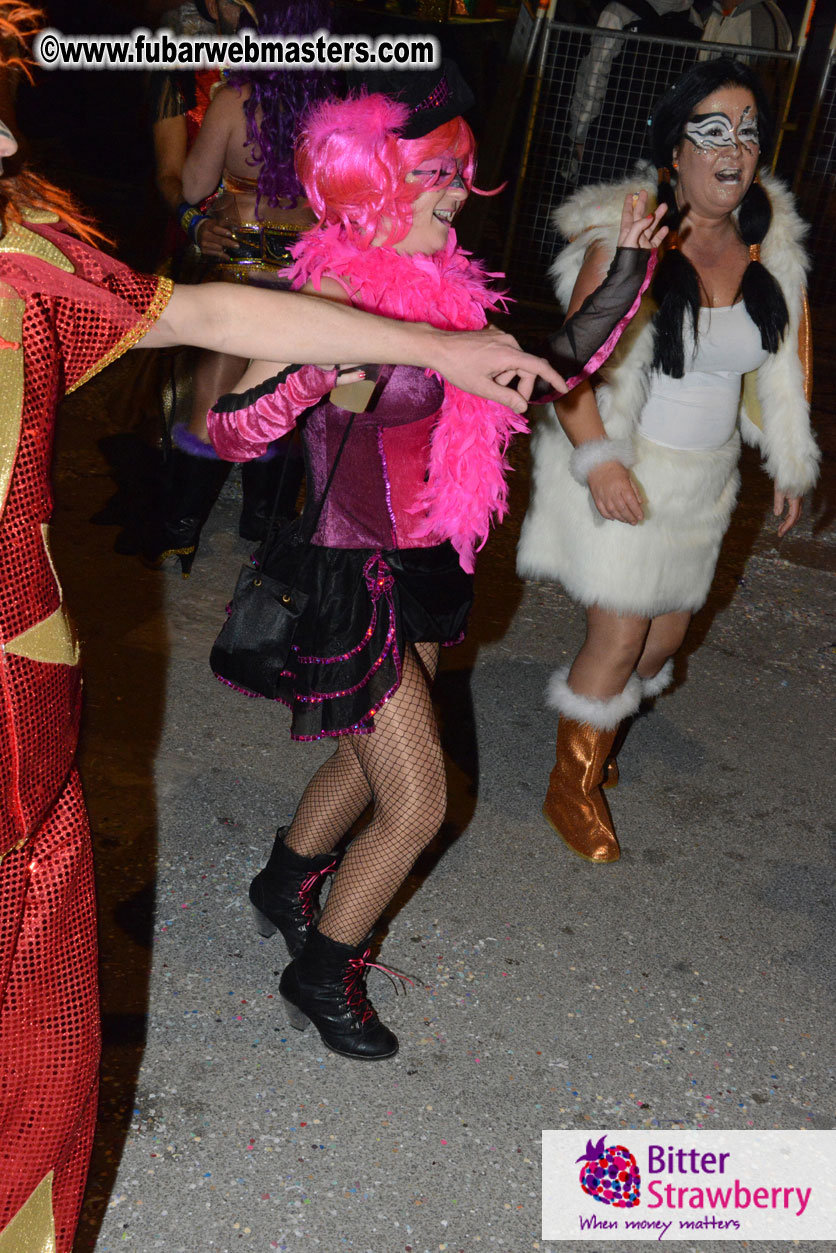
434	96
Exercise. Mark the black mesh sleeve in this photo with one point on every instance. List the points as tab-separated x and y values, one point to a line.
588	330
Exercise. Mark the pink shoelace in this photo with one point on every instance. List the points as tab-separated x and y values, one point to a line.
307	887
356	997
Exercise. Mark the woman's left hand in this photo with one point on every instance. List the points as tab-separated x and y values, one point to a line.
214	240
792	504
640	229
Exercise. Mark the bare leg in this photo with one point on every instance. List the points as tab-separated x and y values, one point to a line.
609	653
215	374
404	765
663	640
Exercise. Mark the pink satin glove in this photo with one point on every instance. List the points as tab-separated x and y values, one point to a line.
241	426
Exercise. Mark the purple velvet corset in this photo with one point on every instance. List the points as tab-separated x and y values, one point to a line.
382	467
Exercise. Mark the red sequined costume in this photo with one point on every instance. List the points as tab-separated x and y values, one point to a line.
66	311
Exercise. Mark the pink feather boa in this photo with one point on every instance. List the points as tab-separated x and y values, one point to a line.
466	488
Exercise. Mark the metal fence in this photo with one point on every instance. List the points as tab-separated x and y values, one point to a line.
815	186
588	123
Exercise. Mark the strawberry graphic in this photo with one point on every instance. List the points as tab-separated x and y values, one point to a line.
610	1175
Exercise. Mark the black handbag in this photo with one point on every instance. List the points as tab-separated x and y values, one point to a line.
253	645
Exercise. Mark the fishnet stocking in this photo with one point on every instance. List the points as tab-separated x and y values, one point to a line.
331	803
402	768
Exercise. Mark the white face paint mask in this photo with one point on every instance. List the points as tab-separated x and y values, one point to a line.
711	132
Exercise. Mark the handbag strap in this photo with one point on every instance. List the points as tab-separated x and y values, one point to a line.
382	380
271	529
273	539
312	530
271	526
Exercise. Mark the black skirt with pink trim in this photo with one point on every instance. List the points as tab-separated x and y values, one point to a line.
364	606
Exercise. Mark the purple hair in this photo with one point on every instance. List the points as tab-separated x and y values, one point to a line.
283	96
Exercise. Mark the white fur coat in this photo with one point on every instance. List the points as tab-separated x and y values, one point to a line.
782	429
667	562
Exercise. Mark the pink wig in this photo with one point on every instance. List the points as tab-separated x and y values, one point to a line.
353	164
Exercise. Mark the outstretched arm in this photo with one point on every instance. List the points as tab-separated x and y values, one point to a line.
286	326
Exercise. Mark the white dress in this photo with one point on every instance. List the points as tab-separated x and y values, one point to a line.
687	447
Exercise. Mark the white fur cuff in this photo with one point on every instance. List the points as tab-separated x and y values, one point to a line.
659	682
601	714
597	451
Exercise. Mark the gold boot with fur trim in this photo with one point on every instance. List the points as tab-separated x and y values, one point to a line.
651	688
575	806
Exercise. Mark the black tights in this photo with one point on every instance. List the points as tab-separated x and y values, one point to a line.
400	768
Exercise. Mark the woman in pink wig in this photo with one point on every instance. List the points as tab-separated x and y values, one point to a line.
419	481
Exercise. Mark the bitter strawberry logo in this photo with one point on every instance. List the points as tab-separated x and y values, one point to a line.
610	1175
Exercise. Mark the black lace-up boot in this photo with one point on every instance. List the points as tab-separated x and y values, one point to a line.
285	894
326	985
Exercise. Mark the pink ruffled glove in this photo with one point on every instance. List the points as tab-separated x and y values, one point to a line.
241	426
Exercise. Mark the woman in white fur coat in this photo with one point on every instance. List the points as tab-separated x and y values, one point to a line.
635	480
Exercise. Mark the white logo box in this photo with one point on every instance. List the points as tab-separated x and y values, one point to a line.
693	1185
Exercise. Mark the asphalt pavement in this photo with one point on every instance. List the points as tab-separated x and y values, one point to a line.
690	985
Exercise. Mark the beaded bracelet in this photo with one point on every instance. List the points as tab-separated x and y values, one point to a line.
191	218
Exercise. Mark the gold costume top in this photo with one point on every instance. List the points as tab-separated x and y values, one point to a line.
262	244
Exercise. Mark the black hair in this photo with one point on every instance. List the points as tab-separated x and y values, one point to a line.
675	284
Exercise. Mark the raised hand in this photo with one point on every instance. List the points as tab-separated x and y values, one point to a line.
640	229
